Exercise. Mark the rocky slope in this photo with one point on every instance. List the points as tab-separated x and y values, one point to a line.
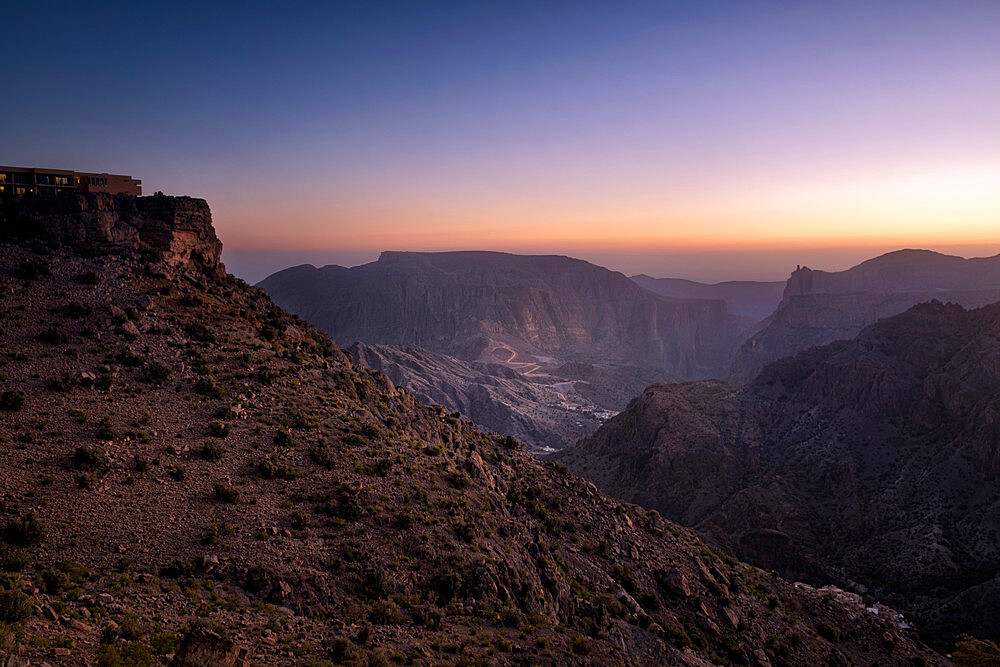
475	305
746	298
874	460
541	411
819	307
188	470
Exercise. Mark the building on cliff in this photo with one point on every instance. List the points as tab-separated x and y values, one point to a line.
20	181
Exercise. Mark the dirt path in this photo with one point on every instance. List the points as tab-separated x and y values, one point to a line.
526	368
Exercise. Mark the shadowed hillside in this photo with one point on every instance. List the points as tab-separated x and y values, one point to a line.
874	460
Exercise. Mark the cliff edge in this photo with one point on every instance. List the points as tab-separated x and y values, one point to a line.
174	231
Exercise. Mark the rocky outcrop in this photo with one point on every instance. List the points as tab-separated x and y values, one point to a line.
819	307
177	231
873	460
541	411
468	304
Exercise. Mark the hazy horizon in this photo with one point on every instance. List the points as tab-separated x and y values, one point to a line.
706	267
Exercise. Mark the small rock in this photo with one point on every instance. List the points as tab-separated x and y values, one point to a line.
49	613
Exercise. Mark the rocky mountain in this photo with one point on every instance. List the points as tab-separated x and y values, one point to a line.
541	411
874	461
819	307
493	306
189	472
746	298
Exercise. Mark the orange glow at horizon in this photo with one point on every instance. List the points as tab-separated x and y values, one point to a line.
956	205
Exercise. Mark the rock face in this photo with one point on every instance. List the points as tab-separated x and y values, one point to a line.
178	230
542	412
469	304
819	307
874	460
239	466
746	298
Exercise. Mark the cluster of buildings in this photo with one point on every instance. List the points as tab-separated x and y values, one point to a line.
21	181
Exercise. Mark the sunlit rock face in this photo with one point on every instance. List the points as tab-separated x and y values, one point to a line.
468	304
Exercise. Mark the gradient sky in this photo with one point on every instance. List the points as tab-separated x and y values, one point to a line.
708	140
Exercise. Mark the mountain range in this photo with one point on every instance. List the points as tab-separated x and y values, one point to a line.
819	307
746	298
191	474
490	306
873	462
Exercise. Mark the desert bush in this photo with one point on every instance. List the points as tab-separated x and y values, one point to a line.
164	643
28	529
212	450
272	468
283	438
207	387
157	373
219	429
15	606
226	493
89	459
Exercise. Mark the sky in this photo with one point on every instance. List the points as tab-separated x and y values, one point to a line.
705	140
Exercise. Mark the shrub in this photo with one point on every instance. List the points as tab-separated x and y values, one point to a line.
163	643
157	373
54	581
207	387
226	493
272	468
213	450
11	401
283	438
89	458
15	606
219	429
17	561
459	479
385	612
971	651
29	529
